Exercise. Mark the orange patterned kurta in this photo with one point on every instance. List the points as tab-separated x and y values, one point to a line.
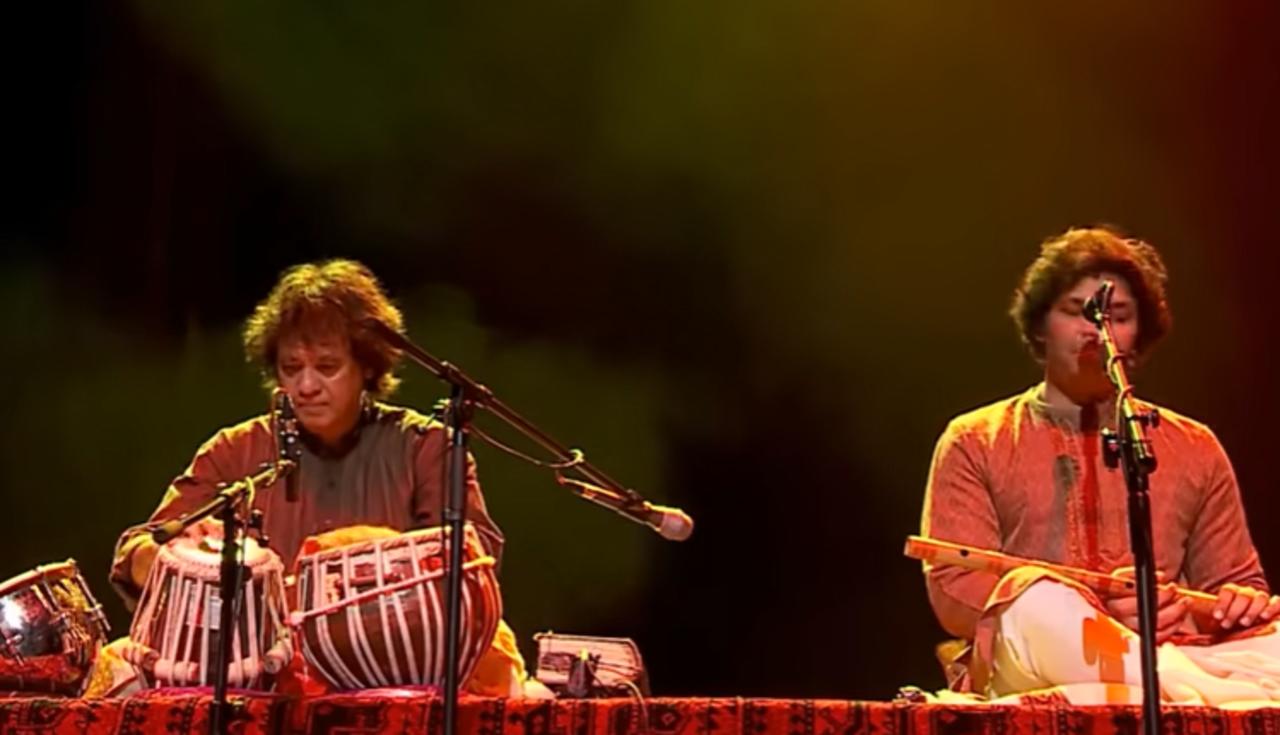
1021	477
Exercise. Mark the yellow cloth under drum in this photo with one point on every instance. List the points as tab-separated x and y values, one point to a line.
500	673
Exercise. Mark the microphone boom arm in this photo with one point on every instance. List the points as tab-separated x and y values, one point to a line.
617	497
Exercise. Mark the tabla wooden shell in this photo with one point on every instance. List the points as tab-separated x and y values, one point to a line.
371	614
174	636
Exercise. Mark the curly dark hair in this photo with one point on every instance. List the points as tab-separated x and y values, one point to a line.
318	299
1089	251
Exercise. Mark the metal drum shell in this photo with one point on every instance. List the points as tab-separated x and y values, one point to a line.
51	630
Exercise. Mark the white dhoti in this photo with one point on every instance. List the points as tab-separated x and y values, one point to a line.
1052	641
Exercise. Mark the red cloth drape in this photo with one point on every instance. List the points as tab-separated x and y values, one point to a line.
400	713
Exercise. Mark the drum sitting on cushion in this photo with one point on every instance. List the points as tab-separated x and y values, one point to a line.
372	614
174	637
51	629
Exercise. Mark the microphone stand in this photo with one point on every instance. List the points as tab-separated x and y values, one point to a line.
1130	448
465	396
225	505
230	588
457	419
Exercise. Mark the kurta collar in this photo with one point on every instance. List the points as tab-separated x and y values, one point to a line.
1077	418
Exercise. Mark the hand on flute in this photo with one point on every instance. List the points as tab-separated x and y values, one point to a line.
1234	606
1244	606
1171	607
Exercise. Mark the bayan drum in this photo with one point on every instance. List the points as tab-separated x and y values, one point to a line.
174	638
51	629
372	614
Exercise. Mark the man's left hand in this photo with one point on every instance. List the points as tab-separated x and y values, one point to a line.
1244	606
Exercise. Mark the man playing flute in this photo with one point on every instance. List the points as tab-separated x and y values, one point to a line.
1026	476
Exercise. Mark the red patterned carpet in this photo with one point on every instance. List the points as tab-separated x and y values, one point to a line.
374	713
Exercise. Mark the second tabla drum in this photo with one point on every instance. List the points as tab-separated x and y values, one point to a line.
372	614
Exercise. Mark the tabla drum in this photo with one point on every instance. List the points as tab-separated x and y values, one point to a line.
372	614
175	633
51	629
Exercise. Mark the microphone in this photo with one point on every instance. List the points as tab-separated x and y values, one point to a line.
1099	304
672	524
288	448
167	531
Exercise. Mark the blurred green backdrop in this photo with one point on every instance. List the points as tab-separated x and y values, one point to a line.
751	256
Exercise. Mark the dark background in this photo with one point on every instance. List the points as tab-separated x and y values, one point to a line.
751	255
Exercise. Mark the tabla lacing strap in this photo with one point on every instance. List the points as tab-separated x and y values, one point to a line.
298	617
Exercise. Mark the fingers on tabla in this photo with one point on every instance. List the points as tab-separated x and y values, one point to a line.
206	528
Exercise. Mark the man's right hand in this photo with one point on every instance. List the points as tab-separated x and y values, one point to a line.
1171	608
203	529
